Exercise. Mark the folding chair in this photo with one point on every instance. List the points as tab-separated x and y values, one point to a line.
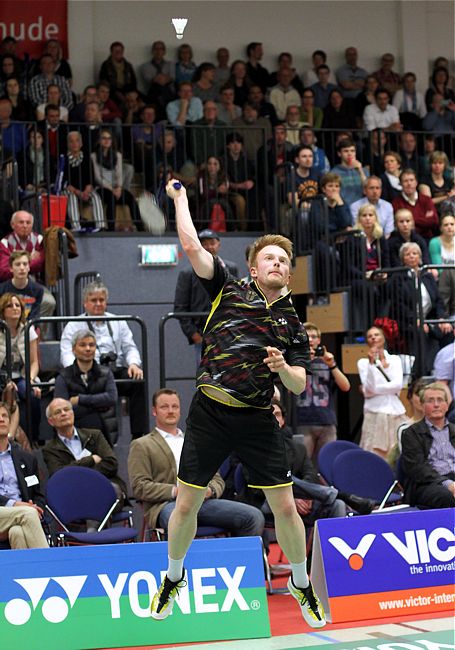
329	453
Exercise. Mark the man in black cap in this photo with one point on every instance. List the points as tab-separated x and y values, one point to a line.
190	295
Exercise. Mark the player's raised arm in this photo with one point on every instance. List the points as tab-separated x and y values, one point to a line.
200	259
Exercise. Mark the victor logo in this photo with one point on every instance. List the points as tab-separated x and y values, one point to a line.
354	556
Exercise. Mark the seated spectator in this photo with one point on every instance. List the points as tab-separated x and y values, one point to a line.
365	98
322	88
310	76
285	61
309	113
439	86
21	107
223	70
82	447
116	348
444	363
90	387
447	293
382	114
185	67
405	232
408	151
54	98
157	78
118	73
391	185
372	190
152	467
240	174
320	160
37	90
12	311
255	72
293	124
339	216
227	110
441	115
10	68
353	175
443	62
374	153
422	207
381	377
21	494
170	160
240	82
62	67
416	411
20	284
410	103
54	132
204	83
284	94
210	139
351	78
109	110
377	251
13	136
278	152
316	415
77	113
256	133
108	175
339	112
186	109
264	109
33	177
23	238
386	77
213	186
91	128
306	178
428	453
132	108
442	248
438	184
145	137
78	183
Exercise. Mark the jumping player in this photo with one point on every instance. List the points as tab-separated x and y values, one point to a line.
252	334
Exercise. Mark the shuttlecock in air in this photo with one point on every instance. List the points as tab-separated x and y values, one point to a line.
179	26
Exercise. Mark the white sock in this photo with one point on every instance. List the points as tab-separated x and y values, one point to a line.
299	575
175	569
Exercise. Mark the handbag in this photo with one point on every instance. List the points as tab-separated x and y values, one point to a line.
217	218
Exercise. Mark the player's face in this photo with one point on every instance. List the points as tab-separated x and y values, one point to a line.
272	270
167	411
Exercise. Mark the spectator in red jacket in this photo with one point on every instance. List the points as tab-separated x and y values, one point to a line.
422	207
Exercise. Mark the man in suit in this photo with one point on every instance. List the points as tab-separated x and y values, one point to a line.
80	447
152	466
21	497
428	453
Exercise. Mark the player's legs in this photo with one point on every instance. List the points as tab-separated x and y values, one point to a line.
290	531
183	520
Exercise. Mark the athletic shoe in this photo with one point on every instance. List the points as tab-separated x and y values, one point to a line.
163	600
312	610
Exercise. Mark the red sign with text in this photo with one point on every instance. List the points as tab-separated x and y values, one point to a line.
32	23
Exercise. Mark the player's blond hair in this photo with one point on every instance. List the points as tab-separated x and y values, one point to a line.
269	240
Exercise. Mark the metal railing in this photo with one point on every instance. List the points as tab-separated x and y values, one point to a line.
162	342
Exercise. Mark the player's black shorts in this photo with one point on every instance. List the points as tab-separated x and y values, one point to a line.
214	430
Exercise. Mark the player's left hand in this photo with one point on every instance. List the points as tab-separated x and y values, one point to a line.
274	359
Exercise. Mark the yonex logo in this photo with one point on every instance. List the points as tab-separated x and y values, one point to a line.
54	609
354	556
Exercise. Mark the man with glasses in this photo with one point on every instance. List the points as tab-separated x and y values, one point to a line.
428	453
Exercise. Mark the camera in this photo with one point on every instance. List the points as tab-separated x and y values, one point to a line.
108	359
319	352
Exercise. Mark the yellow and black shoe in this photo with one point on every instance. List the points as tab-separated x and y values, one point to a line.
163	600
312	609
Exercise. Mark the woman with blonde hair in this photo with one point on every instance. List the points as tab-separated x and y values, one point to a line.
377	251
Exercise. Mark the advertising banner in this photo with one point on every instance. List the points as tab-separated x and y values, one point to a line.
385	565
99	596
32	23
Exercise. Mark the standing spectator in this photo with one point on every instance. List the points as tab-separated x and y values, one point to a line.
185	66
118	72
204	83
410	103
115	344
438	184
386	77
381	377
372	190
53	97
350	77
240	82
186	109
227	110
382	114
322	88
350	170
422	207
240	174
21	285
54	133
254	70
309	113
316	416
223	70
91	128
310	76
38	85
391	185
284	94
157	77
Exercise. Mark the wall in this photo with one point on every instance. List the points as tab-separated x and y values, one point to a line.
415	31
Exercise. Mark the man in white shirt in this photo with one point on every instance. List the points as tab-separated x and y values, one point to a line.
372	190
152	467
115	347
284	94
382	115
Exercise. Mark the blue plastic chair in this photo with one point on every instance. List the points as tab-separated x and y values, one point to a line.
79	493
327	455
365	474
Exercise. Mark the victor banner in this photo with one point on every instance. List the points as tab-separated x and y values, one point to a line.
385	565
99	596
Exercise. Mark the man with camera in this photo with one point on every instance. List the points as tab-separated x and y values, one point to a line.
115	348
316	417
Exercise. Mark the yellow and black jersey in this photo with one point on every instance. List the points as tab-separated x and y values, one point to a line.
240	326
